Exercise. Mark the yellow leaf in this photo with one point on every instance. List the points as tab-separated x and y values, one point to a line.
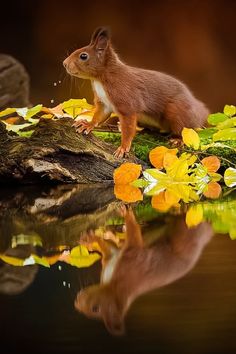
12	260
213	190
128	193
156	156
212	163
80	257
229	110
127	173
76	106
47	116
191	138
230	177
178	170
191	159
194	215
7	111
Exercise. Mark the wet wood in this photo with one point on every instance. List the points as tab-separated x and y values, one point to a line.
55	152
57	214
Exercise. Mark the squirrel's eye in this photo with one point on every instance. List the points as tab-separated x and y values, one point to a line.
83	56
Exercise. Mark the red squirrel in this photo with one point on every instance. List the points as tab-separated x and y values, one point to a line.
138	268
154	99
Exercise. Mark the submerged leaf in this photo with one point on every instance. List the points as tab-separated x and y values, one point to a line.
18	262
164	201
126	173
191	138
194	215
80	257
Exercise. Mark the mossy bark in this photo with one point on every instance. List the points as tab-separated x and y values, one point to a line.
55	152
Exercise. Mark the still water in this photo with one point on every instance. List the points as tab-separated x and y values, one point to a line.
81	272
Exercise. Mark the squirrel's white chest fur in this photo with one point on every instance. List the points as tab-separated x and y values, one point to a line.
101	94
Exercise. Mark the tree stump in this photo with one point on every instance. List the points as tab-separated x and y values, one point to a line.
14	83
55	152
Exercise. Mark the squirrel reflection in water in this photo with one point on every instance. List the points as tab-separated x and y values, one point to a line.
137	268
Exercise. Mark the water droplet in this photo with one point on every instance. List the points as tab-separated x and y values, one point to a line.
52	101
54	84
68	285
59	267
59	82
64	283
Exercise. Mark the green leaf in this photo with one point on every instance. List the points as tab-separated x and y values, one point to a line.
229	110
228	123
17	127
217	118
33	111
25	134
139	183
230	177
225	134
7	111
206	133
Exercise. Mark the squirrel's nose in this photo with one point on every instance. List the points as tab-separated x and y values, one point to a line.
65	62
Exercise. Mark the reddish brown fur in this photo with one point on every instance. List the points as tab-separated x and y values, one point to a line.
141	268
134	92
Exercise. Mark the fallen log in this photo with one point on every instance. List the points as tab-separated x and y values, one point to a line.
55	152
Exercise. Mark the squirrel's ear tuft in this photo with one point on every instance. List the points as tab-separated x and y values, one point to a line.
100	38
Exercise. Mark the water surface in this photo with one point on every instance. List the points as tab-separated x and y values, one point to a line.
157	287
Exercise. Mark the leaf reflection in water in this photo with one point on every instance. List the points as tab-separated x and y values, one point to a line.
137	267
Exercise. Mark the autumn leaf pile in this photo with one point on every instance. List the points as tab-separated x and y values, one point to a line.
174	177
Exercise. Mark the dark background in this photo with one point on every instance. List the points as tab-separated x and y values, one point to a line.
192	40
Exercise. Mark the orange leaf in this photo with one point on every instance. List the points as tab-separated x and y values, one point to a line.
156	155
127	173
171	198
45	110
212	163
53	259
57	110
128	193
164	201
169	159
213	190
12	120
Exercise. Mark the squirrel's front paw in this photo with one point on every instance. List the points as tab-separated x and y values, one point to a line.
121	152
82	125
